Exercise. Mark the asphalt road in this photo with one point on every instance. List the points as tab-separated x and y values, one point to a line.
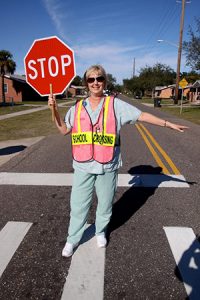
139	260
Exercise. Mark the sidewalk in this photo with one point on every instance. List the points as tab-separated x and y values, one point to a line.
32	110
23	112
11	148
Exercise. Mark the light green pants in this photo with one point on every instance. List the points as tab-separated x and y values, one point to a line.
81	199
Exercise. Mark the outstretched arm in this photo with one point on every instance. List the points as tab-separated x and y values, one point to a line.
58	120
149	118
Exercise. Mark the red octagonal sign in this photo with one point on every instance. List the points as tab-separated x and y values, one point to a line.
49	61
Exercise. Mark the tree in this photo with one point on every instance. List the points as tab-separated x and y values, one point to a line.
111	81
191	76
149	77
159	74
134	86
77	81
7	66
192	47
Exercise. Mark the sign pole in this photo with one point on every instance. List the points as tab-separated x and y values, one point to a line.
183	84
181	102
53	108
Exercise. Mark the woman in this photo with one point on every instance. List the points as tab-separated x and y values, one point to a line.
95	124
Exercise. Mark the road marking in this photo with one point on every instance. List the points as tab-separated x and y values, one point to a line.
152	180
85	279
164	154
66	179
143	130
186	251
153	152
10	238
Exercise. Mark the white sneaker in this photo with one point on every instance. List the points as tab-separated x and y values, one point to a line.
101	241
68	250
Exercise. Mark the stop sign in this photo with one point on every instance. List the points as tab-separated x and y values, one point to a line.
49	61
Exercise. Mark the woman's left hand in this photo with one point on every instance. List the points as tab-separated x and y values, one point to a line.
176	126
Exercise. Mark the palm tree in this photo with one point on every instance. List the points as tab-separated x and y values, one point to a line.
7	66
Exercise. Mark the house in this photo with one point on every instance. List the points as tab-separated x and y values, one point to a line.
77	91
196	90
17	90
191	91
164	92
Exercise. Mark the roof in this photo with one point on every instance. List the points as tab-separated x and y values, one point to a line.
172	86
77	87
16	77
160	88
196	84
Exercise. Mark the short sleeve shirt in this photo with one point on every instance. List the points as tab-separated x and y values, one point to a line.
125	114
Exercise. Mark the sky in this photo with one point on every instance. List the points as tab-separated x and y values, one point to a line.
113	33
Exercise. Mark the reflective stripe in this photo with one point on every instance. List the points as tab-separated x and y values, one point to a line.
78	115
106	113
83	138
104	140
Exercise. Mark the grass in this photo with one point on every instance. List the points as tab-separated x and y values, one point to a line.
11	109
29	125
40	123
163	101
8	109
191	114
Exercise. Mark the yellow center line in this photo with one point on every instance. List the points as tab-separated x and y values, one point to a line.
164	154
155	155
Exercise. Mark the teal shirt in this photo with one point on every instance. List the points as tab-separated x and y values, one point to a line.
125	114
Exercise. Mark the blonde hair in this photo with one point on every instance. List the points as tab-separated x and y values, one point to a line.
99	70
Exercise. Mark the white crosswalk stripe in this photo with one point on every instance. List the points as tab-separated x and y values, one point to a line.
65	179
85	279
10	238
186	251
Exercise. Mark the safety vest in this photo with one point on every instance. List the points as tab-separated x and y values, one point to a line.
94	141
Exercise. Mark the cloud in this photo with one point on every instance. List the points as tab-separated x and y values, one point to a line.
116	57
55	11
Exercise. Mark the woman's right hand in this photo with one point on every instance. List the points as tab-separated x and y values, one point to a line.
52	102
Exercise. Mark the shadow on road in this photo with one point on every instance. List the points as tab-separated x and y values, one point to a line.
12	149
188	270
135	197
132	199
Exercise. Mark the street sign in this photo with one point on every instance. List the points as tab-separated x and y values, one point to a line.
49	62
183	83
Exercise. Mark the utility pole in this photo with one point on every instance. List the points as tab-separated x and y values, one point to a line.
179	52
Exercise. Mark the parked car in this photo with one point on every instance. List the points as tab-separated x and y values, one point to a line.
138	97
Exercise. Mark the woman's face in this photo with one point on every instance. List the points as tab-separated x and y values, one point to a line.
96	83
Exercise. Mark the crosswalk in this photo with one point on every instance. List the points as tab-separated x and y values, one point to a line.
186	251
86	274
65	179
85	279
10	238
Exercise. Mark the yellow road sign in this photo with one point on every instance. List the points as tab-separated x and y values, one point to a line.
183	83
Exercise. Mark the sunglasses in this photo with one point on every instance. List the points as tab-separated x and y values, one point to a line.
92	79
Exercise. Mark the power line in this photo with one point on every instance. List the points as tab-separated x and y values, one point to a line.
164	19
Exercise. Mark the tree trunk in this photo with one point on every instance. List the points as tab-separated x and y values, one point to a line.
2	89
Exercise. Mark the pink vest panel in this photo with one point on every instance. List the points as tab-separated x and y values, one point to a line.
94	141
